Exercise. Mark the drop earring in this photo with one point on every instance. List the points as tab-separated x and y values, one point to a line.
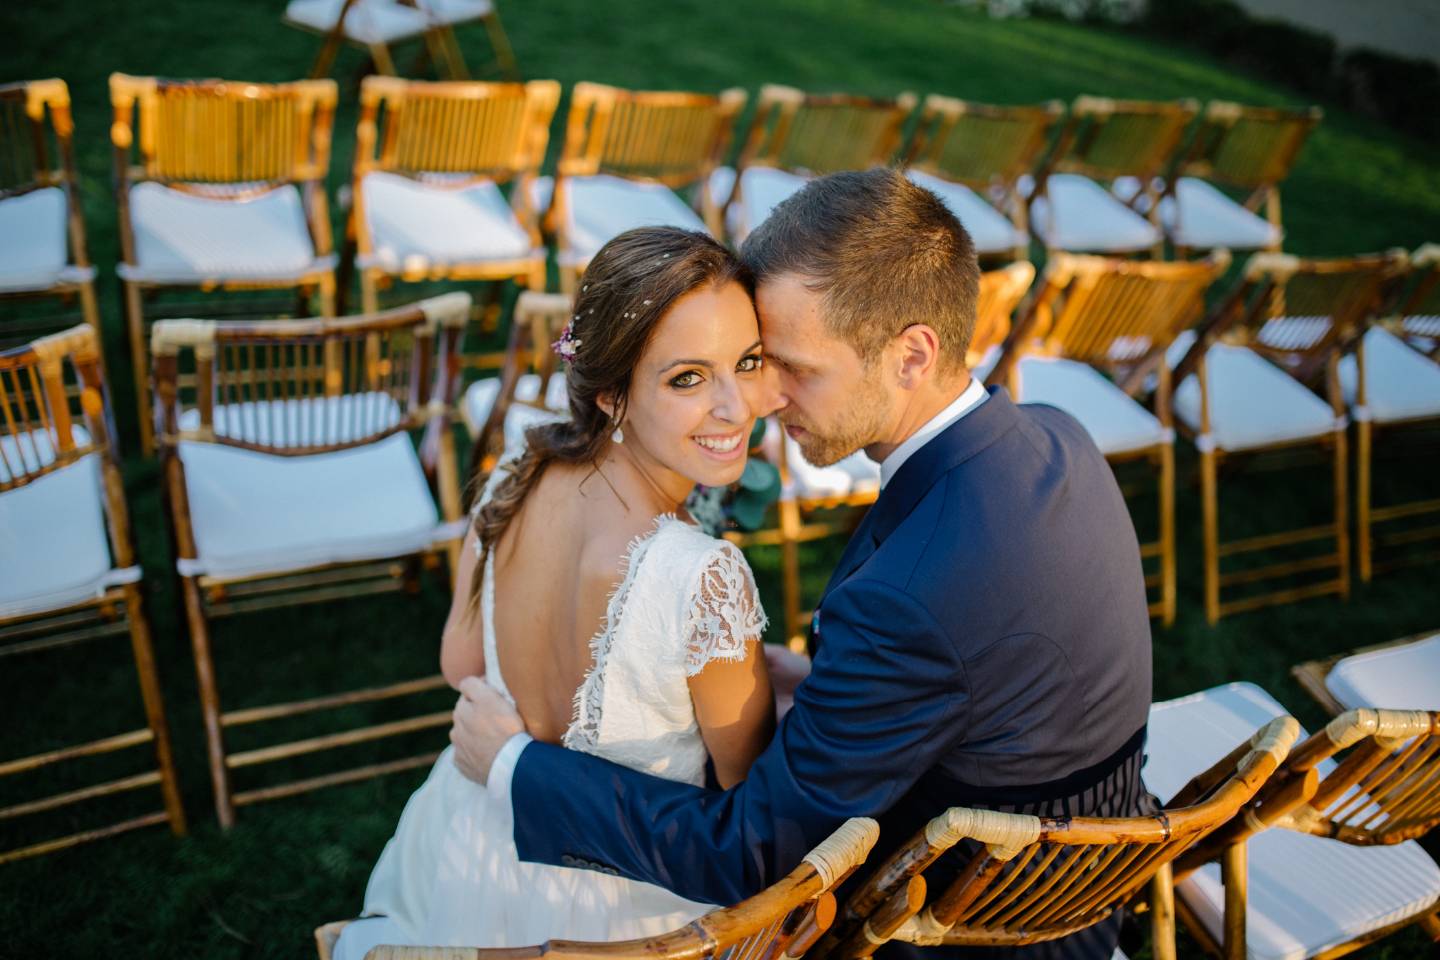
619	435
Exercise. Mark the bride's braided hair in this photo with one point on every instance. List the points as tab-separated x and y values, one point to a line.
626	290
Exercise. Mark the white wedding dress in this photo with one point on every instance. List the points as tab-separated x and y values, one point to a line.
451	876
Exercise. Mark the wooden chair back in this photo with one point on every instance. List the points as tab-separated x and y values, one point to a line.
1027	879
1112	314
670	137
36	138
539	320
781	922
987	148
1248	147
1106	138
819	133
298	387
1001	291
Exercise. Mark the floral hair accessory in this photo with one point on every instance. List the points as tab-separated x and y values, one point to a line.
567	346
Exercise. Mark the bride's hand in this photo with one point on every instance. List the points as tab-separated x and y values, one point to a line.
484	723
787	670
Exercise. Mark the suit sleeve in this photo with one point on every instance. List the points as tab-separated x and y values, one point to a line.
885	698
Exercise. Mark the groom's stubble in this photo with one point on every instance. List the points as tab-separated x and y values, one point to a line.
857	426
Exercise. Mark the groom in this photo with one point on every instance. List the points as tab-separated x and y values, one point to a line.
984	640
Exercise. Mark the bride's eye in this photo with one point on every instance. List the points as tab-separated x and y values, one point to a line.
750	364
687	379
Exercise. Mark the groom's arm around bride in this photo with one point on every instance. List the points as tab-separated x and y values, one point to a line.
984	640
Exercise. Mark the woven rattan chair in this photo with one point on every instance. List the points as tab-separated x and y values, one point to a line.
1250	149
378	25
1370	779
530	388
430	161
972	155
626	154
794	136
1094	315
1420	307
817	502
69	574
42	232
290	476
1242	391
781	922
1025	879
1127	144
1401	673
219	184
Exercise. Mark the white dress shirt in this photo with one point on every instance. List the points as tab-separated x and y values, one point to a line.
503	769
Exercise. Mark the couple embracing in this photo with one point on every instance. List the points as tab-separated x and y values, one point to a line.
617	767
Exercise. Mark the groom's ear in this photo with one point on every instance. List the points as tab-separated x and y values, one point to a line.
916	355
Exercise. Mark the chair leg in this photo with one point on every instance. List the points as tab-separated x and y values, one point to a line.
140	364
150	694
90	309
1167	534
1233	876
1431	926
209	700
790	566
1342	513
1210	508
369	293
500	43
1362	498
380	56
1162	914
328	305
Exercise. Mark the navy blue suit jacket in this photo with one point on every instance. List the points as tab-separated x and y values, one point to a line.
984	641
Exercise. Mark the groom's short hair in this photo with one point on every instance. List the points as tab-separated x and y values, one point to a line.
884	253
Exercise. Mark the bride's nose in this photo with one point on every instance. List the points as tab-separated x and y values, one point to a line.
731	403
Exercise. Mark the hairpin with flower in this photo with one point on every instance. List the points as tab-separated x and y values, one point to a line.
566	347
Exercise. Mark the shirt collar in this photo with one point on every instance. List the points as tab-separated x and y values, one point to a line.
970	398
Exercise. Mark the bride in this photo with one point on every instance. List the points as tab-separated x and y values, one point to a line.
621	629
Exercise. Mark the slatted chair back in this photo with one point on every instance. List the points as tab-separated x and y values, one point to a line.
54	413
1106	138
781	922
300	387
1026	879
670	137
983	146
539	320
36	137
1001	291
1419	306
1252	148
820	133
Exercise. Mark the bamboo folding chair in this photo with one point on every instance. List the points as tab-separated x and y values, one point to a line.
796	135
228	193
973	155
819	502
1025	879
1242	392
42	231
530	388
1291	878
290	477
376	26
781	922
69	574
430	160
1127	144
1420	309
626	153
1243	148
1400	673
1093	314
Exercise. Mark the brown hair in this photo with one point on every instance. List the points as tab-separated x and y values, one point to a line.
884	253
625	292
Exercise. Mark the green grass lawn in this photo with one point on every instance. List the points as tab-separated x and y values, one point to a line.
258	890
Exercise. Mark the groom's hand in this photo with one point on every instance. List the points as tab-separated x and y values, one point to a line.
484	722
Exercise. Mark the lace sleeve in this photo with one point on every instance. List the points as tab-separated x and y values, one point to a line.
724	615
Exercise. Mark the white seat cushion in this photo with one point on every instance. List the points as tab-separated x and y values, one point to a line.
1401	383
256	513
991	230
456	11
601	207
33	246
184	238
54	545
480	399
1208	219
414	224
1253	403
1306	893
762	189
369	21
1398	678
855	475
722	183
1088	217
1115	421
